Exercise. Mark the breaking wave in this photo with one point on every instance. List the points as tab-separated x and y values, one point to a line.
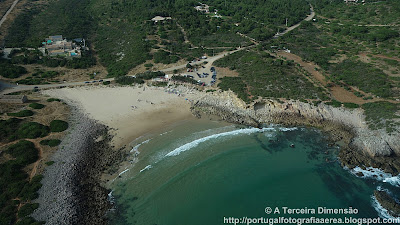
377	174
195	143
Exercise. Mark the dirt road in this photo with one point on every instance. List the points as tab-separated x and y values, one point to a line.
8	12
308	18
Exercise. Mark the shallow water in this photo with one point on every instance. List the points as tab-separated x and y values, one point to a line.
200	172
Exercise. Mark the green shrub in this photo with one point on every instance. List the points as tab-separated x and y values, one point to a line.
49	163
9	70
358	94
32	130
124	80
36	105
184	79
58	126
364	76
27	209
350	105
24	152
29	192
334	103
54	100
8	129
23	113
50	142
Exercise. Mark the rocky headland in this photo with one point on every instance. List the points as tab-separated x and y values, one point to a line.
361	146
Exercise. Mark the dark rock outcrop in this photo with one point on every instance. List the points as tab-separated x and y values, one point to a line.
387	202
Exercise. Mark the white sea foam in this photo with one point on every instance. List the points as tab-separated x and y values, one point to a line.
378	174
123	172
195	143
166	132
136	147
146	168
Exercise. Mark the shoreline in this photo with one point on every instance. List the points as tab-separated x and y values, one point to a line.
71	193
74	187
361	146
103	152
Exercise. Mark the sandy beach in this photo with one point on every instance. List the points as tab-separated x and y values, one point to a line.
103	120
130	112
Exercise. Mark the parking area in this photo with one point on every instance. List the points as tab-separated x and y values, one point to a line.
204	73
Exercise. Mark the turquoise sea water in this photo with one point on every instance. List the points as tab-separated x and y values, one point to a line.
200	172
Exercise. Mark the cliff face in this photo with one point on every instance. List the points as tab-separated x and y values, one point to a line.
342	124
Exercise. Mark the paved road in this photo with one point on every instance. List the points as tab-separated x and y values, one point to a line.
8	12
17	88
308	18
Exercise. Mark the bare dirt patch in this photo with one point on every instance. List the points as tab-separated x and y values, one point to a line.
225	72
156	66
343	95
308	66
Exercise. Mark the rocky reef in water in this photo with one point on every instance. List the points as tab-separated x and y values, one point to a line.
387	202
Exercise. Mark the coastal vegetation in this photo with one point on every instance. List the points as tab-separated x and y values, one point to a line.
32	130
364	76
50	142
53	100
58	126
382	115
22	113
16	189
127	38
184	79
9	70
139	78
36	105
20	161
263	75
